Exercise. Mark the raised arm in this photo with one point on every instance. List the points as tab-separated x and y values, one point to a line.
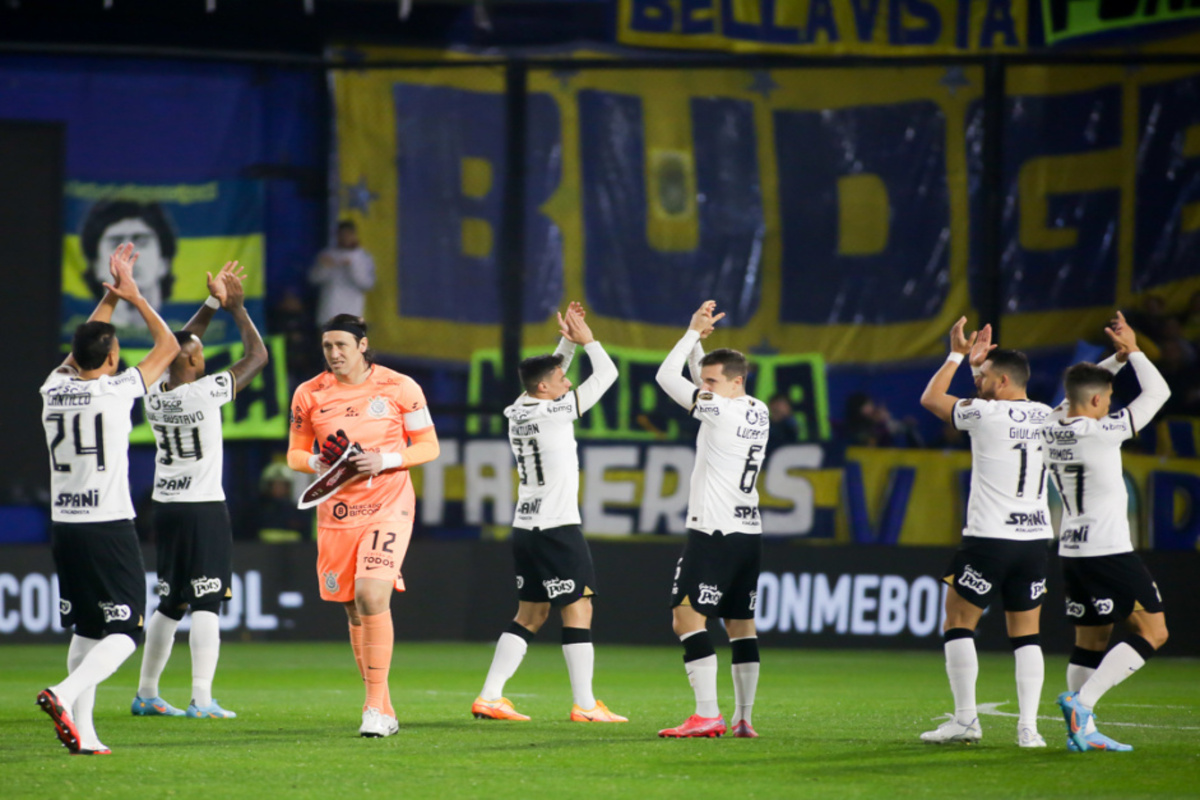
104	309
604	371
1155	391
936	398
566	347
254	357
670	374
198	324
165	346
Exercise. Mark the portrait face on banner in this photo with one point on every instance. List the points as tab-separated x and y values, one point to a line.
109	225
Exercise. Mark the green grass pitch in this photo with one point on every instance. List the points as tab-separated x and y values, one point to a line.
832	724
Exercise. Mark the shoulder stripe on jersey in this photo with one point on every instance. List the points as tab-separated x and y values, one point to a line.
233	380
695	399
578	412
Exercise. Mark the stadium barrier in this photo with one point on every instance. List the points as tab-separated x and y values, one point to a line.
828	597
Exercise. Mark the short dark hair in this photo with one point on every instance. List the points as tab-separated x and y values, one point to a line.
733	362
184	338
353	325
347	224
534	370
1084	380
1012	363
109	212
92	343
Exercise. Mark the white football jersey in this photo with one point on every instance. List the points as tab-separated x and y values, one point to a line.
1084	455
87	426
542	436
730	447
1008	472
187	432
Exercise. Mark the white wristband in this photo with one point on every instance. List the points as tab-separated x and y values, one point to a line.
975	371
957	358
212	302
392	460
315	463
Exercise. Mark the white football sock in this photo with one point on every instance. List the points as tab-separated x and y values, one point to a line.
580	659
1031	674
510	651
205	641
81	713
160	638
962	668
1077	676
105	657
745	684
702	674
1120	662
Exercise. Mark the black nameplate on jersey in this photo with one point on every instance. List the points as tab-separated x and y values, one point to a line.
342	472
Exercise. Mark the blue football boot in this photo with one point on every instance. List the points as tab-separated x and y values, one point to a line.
153	707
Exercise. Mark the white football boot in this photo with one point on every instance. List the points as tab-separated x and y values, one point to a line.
1029	737
953	731
376	724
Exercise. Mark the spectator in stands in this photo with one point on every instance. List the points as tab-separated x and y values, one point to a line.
344	273
274	518
870	424
784	428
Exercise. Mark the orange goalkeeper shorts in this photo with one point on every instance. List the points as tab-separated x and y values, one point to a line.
345	555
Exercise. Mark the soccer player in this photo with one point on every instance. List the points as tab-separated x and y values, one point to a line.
363	531
194	537
717	576
102	582
553	563
1003	552
1105	580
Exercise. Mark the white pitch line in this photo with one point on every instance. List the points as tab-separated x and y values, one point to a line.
991	710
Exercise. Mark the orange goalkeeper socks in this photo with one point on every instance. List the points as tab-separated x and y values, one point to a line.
378	639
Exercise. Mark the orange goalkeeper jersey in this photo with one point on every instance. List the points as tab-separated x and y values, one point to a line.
380	414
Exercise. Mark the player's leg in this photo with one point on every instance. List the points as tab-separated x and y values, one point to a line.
1030	672
694	595
171	558
210	570
111	566
1023	589
81	712
1147	633
337	553
510	652
1091	642
962	662
741	600
578	651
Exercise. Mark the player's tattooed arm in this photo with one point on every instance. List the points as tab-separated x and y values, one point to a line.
255	357
936	398
198	324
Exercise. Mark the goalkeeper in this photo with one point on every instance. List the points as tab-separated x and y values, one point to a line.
364	529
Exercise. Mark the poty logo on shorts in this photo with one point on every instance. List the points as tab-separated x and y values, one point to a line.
1075	610
974	581
520	581
331	582
1103	605
1037	589
162	588
555	587
753	600
114	612
64	606
709	595
202	586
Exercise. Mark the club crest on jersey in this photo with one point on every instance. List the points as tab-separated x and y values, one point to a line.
756	417
520	581
162	588
1104	605
1037	589
972	580
377	408
202	586
557	586
1017	415
710	595
64	606
1074	609
114	612
331	582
